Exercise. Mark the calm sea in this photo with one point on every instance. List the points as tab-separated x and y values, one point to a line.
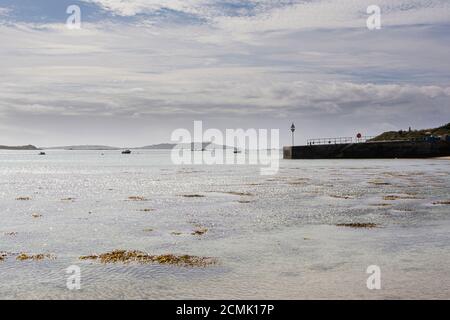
273	236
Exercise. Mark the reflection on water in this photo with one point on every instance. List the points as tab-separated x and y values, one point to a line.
274	236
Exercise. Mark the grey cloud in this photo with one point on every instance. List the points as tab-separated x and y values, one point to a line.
149	77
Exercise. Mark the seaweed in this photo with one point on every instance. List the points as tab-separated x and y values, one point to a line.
379	183
396	197
136	198
124	256
235	193
340	197
441	202
381	204
146	210
193	196
367	225
23	198
34	257
199	232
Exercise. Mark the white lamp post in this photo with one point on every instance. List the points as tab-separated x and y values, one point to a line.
293	130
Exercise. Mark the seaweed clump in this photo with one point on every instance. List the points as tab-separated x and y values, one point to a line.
396	197
242	194
381	204
34	257
442	202
367	225
137	198
340	196
124	256
380	183
199	231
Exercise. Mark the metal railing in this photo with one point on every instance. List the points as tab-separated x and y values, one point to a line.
338	140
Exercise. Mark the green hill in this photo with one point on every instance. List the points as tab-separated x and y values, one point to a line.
413	134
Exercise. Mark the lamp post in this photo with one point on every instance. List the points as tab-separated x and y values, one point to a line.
293	130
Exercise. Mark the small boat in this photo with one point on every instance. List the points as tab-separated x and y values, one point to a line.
42	153
236	150
126	152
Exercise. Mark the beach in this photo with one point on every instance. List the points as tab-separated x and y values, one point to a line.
308	232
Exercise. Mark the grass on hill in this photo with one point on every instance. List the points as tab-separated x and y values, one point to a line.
413	134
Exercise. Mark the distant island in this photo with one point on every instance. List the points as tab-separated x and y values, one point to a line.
84	147
106	148
160	146
413	134
28	147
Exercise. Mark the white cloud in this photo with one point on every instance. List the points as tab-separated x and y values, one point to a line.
270	15
327	14
4	11
134	7
231	68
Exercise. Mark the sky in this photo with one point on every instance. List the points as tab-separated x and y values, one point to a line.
137	70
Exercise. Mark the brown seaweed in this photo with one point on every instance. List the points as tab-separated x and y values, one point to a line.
441	202
124	256
34	257
358	225
136	198
199	232
193	196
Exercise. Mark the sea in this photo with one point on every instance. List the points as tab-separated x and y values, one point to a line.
315	229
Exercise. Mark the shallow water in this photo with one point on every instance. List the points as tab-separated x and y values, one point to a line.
278	239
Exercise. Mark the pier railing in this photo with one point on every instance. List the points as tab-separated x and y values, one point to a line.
338	140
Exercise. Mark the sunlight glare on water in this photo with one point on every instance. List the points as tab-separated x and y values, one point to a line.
273	236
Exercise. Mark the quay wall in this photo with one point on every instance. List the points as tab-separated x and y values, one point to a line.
370	150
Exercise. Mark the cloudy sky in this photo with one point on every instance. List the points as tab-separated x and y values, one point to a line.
138	69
